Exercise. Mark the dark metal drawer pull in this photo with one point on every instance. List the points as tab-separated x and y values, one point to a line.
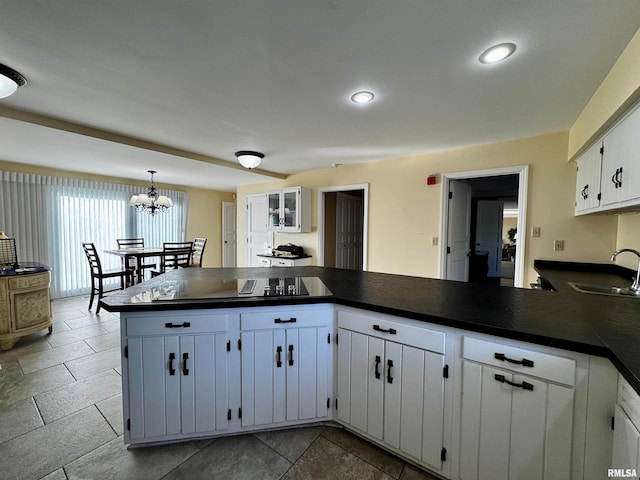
524	362
389	365
291	320
377	366
177	325
172	357
291	355
278	357
377	328
523	385
185	357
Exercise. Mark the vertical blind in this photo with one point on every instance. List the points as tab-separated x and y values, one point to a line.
50	218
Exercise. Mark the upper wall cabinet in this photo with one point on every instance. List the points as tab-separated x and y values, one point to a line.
289	210
609	172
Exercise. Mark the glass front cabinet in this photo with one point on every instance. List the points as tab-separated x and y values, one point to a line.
289	209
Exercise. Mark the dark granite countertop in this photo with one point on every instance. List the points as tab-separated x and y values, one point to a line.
591	324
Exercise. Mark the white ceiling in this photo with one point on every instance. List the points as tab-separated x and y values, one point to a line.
180	86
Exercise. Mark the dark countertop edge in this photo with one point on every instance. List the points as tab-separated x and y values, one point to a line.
582	267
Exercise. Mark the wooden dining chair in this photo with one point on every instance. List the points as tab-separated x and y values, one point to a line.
98	275
174	255
198	251
134	243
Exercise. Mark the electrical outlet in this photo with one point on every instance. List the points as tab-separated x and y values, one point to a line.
434	241
535	232
558	245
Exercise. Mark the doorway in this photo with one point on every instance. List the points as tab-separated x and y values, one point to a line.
490	220
229	234
342	226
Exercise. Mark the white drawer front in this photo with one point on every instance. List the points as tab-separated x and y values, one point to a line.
280	262
550	367
264	262
399	332
284	319
172	325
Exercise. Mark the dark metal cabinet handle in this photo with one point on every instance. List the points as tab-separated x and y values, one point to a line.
585	192
278	320
377	366
389	365
617	178
291	355
523	385
377	328
278	357
524	362
177	325
172	357
185	357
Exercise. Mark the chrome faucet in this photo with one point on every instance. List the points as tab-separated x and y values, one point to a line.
635	286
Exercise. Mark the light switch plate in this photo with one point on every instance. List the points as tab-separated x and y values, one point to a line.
558	245
434	241
535	232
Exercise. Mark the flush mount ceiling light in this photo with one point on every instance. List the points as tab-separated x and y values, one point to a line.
497	53
10	80
249	159
362	97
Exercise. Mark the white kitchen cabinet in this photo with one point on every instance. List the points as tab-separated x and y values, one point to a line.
289	210
608	175
588	179
285	366
176	378
517	413
283	262
390	391
626	434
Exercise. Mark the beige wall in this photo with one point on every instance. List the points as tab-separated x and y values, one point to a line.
205	206
628	237
404	213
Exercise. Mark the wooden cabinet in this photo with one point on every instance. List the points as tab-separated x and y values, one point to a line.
390	390
24	306
177	370
289	210
517	413
285	366
608	175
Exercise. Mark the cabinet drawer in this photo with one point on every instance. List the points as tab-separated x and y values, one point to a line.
173	324
282	319
264	262
281	262
416	336
29	281
543	365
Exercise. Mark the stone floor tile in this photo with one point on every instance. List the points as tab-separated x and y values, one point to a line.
368	452
15	388
240	457
27	344
82	321
104	342
111	409
56	475
84	367
114	460
290	443
20	419
325	460
412	473
70	398
111	325
75	334
59	326
48	448
54	356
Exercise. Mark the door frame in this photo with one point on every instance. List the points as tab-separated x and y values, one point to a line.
235	217
523	182
365	220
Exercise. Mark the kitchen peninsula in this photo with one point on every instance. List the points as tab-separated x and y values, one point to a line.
276	361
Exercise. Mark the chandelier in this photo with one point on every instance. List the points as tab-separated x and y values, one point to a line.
151	202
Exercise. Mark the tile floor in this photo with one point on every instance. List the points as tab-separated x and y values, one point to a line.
60	418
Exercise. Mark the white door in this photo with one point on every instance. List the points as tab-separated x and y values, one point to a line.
349	228
458	228
489	233
257	234
229	234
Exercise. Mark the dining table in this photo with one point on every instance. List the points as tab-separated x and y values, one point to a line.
139	254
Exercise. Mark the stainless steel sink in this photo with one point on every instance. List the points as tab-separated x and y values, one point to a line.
604	290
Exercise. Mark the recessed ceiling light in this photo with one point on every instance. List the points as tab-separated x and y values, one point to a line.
362	97
497	52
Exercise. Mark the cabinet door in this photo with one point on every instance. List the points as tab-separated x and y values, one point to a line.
626	442
393	365
310	389
290	211
353	379
621	161
273	210
588	179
